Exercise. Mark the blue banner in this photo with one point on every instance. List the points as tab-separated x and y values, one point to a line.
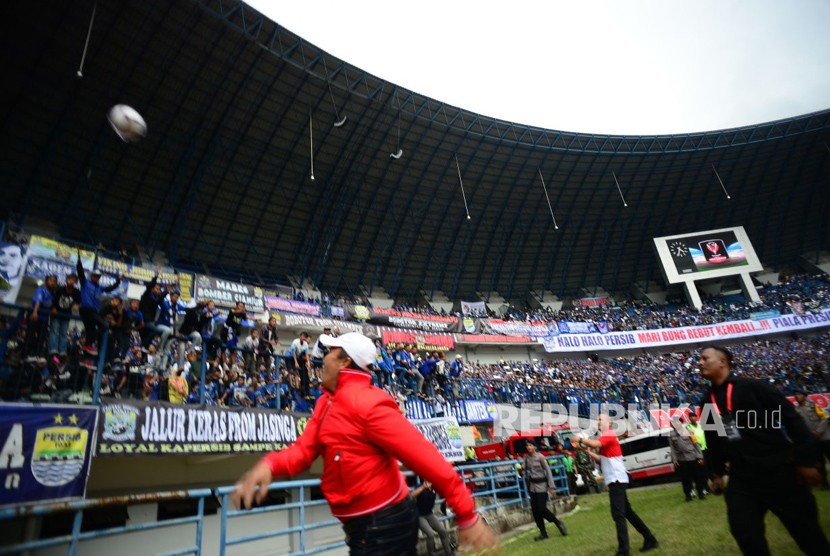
466	411
577	327
759	315
46	452
39	268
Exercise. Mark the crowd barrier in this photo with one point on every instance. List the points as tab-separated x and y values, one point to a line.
495	485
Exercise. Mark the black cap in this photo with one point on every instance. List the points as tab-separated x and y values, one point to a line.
532	443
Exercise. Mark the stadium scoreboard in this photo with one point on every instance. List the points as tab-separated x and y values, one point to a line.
706	254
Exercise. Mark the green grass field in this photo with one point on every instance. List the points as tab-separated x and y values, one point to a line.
697	527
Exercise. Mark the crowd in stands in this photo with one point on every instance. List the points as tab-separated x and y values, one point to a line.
795	294
663	378
157	346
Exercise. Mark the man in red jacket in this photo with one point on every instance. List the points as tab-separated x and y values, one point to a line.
361	434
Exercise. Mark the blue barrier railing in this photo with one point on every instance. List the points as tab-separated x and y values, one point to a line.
228	513
494	485
73	540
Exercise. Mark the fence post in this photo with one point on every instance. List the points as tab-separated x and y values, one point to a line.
223	525
99	375
76	532
199	525
278	380
202	378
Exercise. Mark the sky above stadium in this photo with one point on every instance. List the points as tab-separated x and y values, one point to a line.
603	66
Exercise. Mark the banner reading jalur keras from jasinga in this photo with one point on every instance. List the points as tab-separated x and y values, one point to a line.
128	427
686	335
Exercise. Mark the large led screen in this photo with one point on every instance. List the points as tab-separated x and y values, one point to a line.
710	254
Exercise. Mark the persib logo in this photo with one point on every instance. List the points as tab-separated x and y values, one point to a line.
59	455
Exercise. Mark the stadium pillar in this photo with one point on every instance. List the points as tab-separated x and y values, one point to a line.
692	295
749	288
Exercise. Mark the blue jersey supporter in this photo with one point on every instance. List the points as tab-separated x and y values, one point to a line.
91	293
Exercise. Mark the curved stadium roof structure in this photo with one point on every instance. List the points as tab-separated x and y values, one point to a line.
235	104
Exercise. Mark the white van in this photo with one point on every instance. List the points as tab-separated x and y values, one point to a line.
648	455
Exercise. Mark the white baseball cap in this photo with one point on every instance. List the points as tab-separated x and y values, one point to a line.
358	347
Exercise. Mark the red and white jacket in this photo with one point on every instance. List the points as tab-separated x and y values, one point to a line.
361	434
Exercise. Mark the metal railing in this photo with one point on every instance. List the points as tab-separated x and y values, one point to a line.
73	540
228	513
494	485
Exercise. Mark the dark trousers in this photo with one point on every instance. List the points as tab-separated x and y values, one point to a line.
692	472
539	508
94	325
392	531
747	501
824	447
571	482
623	514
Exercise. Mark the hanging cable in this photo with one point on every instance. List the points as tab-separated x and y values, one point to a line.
311	142
721	182
618	188
461	182
545	188
80	73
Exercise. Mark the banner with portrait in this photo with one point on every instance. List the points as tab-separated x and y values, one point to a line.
13	260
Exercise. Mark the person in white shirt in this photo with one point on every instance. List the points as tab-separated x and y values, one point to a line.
298	347
319	350
610	459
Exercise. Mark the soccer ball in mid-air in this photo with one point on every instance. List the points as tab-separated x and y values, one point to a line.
127	123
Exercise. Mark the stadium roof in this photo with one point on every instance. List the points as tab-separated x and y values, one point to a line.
236	105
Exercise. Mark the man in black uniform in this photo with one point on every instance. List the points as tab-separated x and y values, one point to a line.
770	454
539	482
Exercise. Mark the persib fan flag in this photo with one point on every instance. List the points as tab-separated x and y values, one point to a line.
45	452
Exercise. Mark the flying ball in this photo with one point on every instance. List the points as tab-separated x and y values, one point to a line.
127	123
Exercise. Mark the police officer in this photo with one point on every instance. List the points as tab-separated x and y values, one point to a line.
539	483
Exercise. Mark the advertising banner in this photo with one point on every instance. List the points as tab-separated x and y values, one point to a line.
39	267
591	302
403	319
313	323
684	335
476	308
423	341
465	411
40	246
576	327
479	411
46	451
492	339
135	273
226	293
128	427
275	303
445	434
537	329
